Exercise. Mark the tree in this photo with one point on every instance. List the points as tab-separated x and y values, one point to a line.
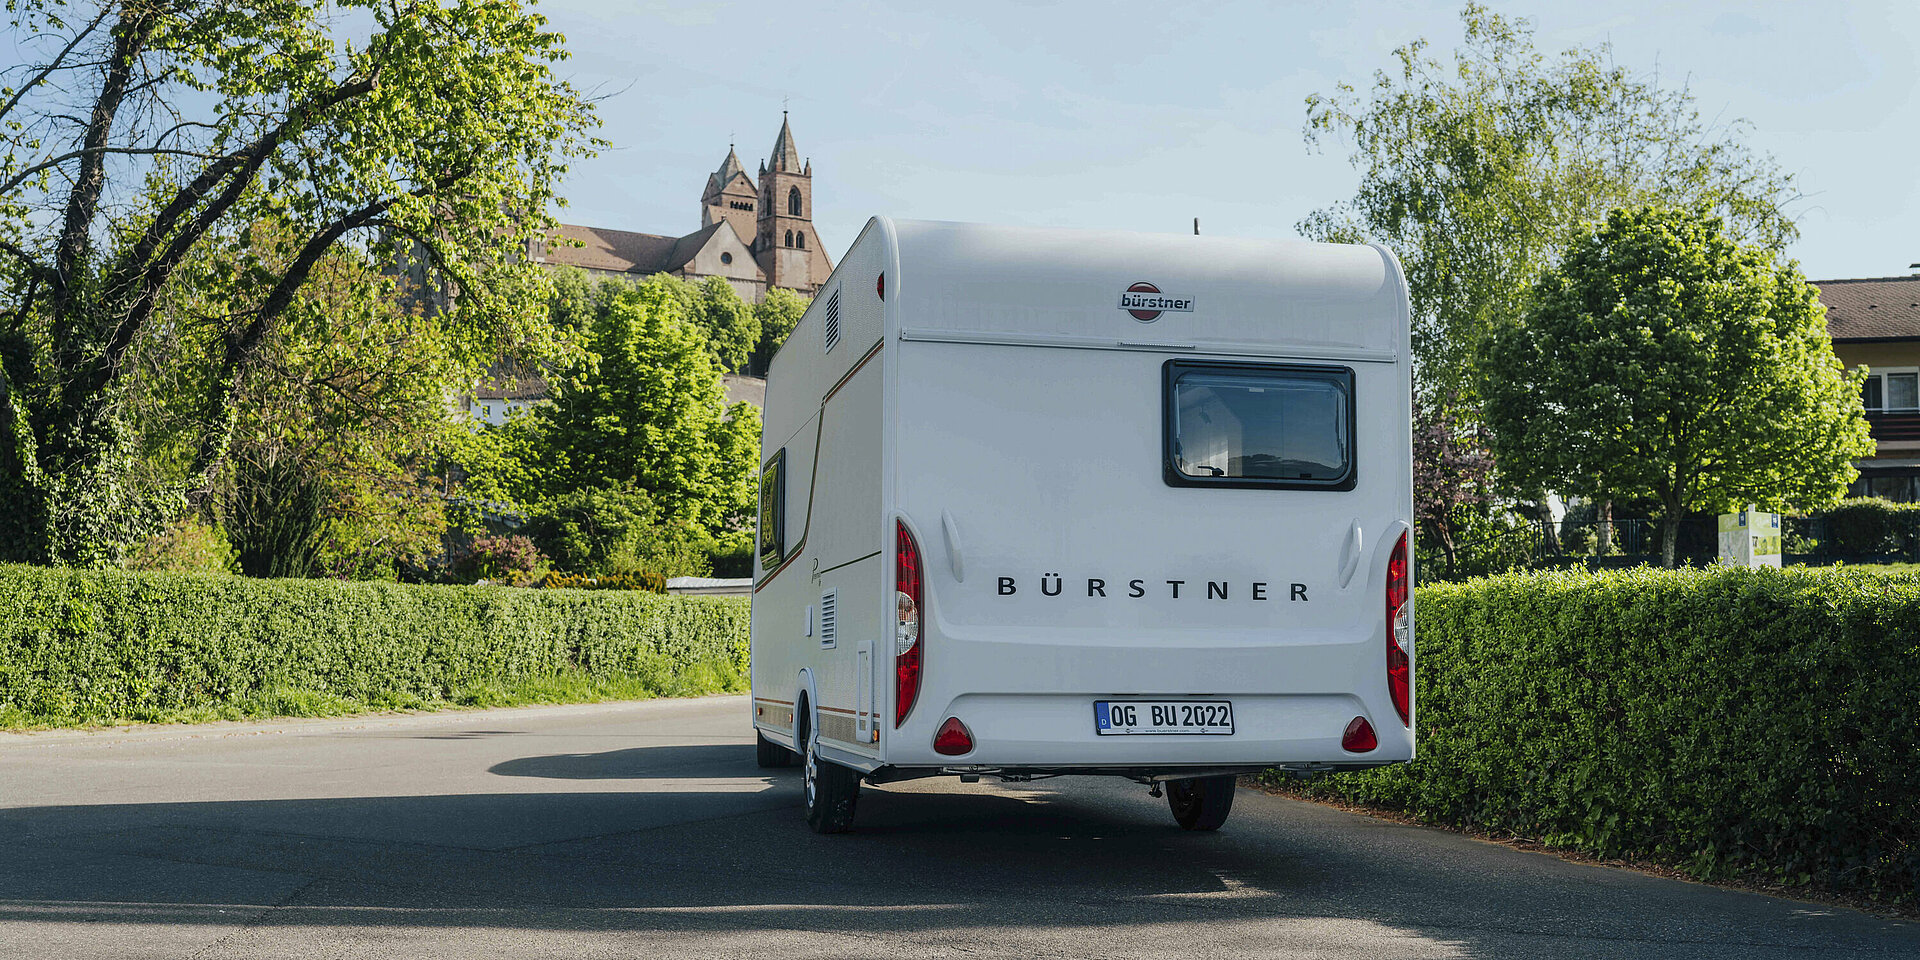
1477	173
1663	359
154	131
1452	469
648	408
779	312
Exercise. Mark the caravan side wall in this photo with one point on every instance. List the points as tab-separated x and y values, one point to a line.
818	613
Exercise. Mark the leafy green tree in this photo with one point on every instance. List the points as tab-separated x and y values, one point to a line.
648	408
779	312
137	136
616	529
1662	359
1478	172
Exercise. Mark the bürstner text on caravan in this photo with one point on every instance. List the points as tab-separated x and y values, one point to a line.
1052	585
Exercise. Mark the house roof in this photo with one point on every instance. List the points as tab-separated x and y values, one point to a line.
1878	308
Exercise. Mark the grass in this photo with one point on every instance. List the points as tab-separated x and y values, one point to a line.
280	702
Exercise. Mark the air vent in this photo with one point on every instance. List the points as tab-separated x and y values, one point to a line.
833	321
829	615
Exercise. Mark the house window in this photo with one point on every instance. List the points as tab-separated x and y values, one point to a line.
726	257
793	201
773	510
1894	390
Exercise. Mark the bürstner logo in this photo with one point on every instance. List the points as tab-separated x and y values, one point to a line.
1144	302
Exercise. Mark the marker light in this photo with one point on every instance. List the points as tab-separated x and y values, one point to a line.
953	739
880	286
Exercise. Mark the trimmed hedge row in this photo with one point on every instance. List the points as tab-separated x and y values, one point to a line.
91	647
1730	722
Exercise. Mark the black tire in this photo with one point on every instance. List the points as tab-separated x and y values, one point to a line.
1201	803
831	789
770	755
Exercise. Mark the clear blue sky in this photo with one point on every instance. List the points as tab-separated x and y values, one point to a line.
1142	116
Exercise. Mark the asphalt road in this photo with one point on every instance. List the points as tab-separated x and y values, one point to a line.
646	830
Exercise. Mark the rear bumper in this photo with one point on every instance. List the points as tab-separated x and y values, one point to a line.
1055	732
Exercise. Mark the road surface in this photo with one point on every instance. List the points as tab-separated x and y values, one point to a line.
635	830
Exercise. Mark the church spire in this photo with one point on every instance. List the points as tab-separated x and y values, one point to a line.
786	156
729	167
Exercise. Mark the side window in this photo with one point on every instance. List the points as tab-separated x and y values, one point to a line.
773	511
1281	426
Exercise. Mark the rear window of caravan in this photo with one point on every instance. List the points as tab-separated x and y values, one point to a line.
1283	426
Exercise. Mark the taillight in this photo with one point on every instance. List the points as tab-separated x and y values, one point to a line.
1359	736
906	627
1399	633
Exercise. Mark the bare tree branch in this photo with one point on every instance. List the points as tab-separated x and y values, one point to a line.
53	64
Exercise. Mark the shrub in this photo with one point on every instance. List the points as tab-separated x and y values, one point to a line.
186	546
100	646
650	582
1728	721
512	560
1870	527
616	529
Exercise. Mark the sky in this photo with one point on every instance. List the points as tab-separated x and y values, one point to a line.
1142	116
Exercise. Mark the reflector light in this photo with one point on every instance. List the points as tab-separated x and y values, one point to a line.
1399	633
953	739
880	286
906	632
1359	737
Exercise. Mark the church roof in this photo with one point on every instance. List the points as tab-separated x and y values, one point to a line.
729	167
627	252
786	156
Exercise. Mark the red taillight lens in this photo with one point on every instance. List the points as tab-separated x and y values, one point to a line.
1399	633
953	739
1359	737
880	286
906	632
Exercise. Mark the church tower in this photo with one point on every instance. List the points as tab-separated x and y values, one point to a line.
730	198
784	242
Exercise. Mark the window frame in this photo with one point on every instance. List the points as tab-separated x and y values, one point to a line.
1880	374
776	468
1170	373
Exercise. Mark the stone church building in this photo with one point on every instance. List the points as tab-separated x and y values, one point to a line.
757	233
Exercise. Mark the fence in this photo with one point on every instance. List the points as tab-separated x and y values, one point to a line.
1808	541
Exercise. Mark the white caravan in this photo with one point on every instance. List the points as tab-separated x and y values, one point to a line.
1044	502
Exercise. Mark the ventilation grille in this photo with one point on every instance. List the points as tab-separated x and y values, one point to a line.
829	616
833	321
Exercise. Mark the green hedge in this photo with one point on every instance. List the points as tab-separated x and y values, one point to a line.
94	647
1869	526
1729	722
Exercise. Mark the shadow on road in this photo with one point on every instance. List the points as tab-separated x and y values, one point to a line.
708	847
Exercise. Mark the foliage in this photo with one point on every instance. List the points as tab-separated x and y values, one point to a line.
1730	722
1869	527
779	312
80	647
441	129
1664	360
275	518
1452	469
648	409
614	529
640	580
186	546
1479	171
502	559
731	324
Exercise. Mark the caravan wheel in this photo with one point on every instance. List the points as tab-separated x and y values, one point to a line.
1201	803
832	790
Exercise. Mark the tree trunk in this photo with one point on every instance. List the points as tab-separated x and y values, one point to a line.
1669	536
1605	525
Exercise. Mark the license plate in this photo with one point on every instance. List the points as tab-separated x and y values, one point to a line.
1122	717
